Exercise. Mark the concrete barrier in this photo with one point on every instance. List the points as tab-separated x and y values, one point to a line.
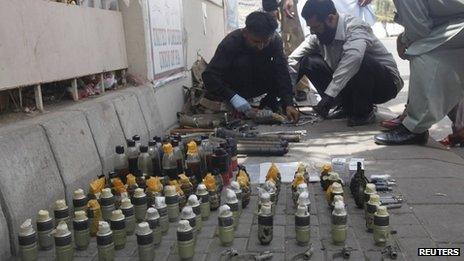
149	107
74	149
30	179
105	128
130	116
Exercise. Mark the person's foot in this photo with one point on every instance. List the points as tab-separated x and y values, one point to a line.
361	120
393	123
337	113
301	96
401	136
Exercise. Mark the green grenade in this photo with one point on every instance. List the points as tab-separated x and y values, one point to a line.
368	191
153	220
195	204
339	227
140	204
381	226
105	242
129	214
371	208
235	186
64	248
303	199
107	204
302	228
172	201
203	195
27	239
337	190
226	225
265	225
185	240
145	244
81	228
160	205
299	189
118	226
45	228
187	214
79	200
61	212
232	202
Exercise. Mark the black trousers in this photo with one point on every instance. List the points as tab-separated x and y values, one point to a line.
373	84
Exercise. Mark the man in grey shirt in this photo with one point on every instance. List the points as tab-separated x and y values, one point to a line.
345	62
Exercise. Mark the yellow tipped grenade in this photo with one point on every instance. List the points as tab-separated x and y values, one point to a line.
187	214
27	239
265	225
235	186
139	200
105	242
118	226
371	208
339	227
153	220
226	225
185	240
128	211
232	202
107	204
64	248
145	244
302	222
214	193
244	181
79	200
381	226
160	205
195	204
172	202
94	215
45	227
203	195
81	228
61	212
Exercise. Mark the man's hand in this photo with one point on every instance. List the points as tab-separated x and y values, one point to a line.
288	8
401	47
240	104
292	114
364	2
324	106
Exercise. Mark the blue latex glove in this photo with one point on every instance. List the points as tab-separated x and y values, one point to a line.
240	104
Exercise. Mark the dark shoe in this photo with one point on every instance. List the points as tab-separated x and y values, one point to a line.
301	96
401	136
337	113
363	120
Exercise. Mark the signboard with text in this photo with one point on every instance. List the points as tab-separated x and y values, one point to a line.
166	37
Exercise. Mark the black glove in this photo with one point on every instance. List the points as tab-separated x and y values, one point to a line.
324	106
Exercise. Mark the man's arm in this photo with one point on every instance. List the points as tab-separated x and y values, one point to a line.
352	57
308	46
213	76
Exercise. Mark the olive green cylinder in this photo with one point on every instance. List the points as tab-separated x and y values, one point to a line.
119	233
27	239
64	248
172	203
105	246
146	249
45	227
302	226
139	200
81	233
226	229
164	219
381	226
185	241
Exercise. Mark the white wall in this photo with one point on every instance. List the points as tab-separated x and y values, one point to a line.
43	41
